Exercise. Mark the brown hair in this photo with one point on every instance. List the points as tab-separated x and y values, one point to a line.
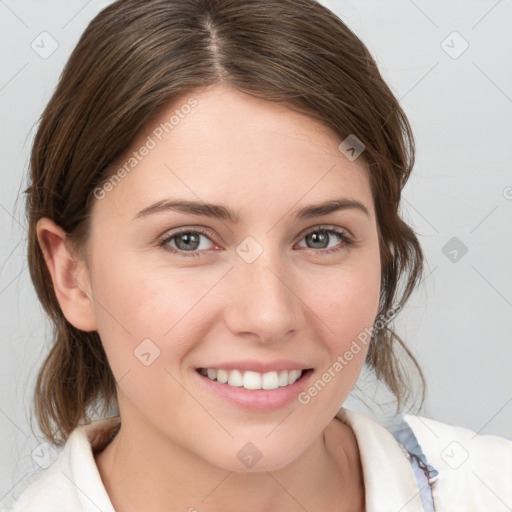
137	56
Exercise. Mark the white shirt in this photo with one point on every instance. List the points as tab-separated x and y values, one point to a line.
475	471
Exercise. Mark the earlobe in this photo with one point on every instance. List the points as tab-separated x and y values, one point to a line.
69	274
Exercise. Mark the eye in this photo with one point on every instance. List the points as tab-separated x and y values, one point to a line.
185	241
321	236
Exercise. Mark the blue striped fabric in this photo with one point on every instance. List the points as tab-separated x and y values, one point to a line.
425	474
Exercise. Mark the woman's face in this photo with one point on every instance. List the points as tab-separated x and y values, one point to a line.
250	284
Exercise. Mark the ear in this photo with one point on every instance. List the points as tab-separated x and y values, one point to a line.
70	276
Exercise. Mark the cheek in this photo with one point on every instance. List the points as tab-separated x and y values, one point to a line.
347	303
135	303
146	324
348	297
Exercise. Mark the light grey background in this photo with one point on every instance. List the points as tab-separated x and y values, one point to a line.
458	323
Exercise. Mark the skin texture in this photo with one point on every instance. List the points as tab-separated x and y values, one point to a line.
178	442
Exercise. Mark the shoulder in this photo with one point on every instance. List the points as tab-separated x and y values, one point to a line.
73	481
474	470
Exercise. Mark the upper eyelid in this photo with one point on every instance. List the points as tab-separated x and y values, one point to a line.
326	227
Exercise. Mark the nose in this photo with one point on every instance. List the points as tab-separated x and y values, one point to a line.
263	303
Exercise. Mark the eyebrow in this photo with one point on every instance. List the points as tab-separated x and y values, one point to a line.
224	213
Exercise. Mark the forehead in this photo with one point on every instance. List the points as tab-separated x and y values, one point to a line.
221	145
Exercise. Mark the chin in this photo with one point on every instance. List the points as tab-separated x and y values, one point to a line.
258	456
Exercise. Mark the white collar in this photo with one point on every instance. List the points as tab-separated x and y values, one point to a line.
388	478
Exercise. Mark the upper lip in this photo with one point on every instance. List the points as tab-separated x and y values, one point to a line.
259	366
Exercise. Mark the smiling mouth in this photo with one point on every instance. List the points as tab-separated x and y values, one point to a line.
254	380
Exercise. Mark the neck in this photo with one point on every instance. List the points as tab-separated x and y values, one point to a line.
148	472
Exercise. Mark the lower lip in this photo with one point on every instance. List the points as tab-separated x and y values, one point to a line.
261	400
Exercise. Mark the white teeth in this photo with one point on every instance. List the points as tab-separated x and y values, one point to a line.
253	380
270	380
283	378
293	376
235	378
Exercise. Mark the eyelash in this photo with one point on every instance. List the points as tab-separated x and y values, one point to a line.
347	240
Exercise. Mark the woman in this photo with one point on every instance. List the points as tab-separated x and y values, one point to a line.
214	232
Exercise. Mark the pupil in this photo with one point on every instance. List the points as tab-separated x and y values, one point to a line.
319	238
187	240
